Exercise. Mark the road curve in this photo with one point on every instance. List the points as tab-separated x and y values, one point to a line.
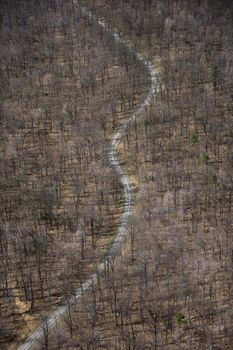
38	334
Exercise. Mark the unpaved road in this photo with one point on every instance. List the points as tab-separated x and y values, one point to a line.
38	334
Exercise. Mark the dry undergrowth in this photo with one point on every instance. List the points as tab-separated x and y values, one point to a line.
171	288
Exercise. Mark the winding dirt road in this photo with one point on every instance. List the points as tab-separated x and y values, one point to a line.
38	334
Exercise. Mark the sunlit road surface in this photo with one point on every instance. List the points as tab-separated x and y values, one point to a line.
38	334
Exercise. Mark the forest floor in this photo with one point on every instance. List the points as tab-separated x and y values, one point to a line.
171	285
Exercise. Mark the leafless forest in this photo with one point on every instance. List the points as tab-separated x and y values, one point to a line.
66	86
